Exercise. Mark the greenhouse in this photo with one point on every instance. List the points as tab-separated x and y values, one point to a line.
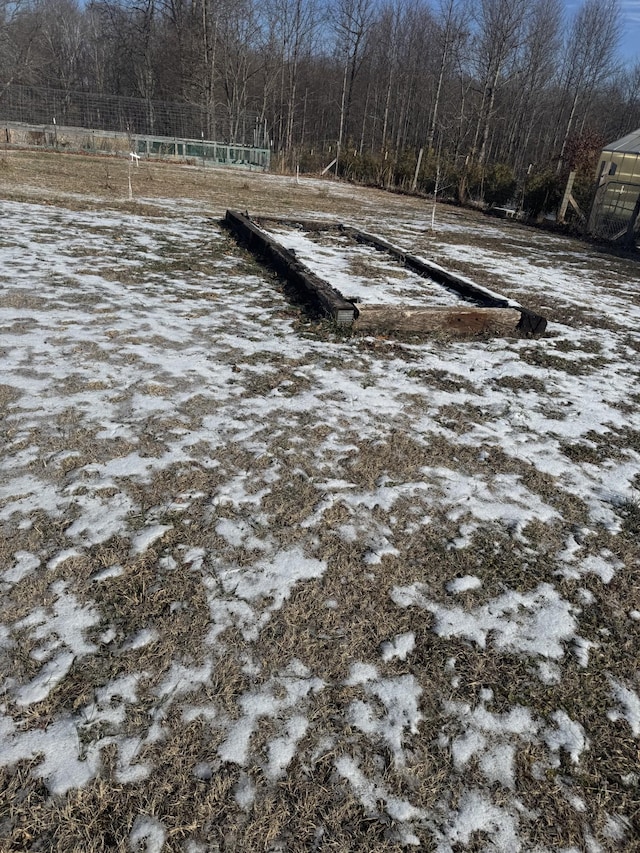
616	207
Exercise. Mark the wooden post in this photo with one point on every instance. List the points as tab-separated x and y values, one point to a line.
574	204
414	183
562	210
435	197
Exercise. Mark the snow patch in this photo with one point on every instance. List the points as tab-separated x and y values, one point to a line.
537	623
567	735
147	835
62	634
25	564
464	584
372	794
143	540
399	698
476	813
629	703
401	646
276	699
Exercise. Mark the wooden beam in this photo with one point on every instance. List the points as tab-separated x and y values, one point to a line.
309	285
482	313
562	210
425	268
304	224
574	204
453	321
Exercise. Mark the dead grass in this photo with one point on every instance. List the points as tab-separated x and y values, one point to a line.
544	358
365	268
79	180
329	623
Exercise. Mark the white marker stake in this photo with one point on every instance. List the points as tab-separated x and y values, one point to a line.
133	157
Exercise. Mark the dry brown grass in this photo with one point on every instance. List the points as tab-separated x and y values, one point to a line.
328	623
80	181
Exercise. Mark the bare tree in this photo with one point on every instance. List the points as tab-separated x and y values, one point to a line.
536	69
499	37
19	29
237	59
62	44
590	59
453	20
292	25
352	21
386	41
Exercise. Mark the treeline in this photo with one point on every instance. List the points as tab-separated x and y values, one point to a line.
501	96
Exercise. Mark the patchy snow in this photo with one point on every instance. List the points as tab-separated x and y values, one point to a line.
253	593
107	574
372	794
148	835
176	449
629	703
60	767
400	699
385	282
539	623
604	565
140	640
399	647
145	538
464	584
276	699
476	813
567	735
62	632
491	737
25	563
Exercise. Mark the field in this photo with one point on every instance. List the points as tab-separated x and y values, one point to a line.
268	586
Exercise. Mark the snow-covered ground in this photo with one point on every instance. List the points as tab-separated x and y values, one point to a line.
362	272
400	579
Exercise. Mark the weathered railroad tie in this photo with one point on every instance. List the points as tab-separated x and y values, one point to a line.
313	288
491	314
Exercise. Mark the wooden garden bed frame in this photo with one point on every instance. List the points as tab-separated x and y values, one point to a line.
491	314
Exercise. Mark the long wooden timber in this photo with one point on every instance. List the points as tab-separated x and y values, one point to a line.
482	312
528	323
470	320
315	289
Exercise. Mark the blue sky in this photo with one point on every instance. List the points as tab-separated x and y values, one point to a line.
629	50
630	45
